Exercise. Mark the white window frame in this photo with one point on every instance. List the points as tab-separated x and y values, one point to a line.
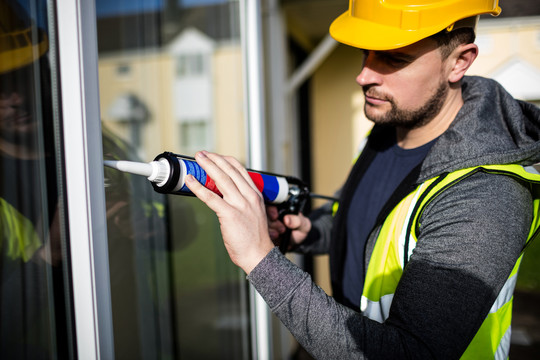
79	96
251	33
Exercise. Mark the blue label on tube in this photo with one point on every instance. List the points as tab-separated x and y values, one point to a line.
271	187
194	169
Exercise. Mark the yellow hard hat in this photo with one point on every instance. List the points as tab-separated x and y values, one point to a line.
20	43
390	24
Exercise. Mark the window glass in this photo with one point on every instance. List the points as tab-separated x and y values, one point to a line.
190	65
170	80
194	135
34	283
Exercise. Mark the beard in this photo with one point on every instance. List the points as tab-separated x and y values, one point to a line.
408	119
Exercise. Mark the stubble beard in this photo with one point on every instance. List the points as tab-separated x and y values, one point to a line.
408	119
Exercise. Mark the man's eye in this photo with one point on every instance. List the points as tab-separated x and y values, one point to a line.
392	59
396	61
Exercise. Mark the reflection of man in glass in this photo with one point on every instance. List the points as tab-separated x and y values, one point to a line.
32	291
34	315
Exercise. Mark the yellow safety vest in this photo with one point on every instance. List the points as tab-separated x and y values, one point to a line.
19	237
393	249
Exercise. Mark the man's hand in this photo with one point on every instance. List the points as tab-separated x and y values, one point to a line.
241	211
51	251
299	224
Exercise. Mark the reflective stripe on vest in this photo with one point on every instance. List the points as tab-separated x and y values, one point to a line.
393	241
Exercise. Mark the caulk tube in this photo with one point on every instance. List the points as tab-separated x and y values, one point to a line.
275	189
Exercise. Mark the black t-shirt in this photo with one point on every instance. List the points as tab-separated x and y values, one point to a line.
390	166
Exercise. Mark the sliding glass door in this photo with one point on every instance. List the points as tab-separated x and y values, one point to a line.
93	262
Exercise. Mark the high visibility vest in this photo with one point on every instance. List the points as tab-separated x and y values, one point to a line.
19	239
397	239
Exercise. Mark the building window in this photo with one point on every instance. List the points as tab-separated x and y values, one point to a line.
123	70
193	135
190	65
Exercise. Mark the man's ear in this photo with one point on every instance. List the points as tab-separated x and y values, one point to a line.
461	60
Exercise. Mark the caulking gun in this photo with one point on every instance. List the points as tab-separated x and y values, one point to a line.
168	171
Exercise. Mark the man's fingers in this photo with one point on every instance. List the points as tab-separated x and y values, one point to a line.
211	199
230	180
241	212
220	176
272	212
297	222
274	234
242	171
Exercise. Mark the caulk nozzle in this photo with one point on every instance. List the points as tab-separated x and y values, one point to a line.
160	172
155	171
131	167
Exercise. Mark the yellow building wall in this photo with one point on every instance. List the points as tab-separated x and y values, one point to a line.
148	73
230	129
500	40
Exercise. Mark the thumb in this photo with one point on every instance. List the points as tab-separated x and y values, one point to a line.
297	222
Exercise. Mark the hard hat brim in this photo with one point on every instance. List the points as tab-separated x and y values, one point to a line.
368	35
23	56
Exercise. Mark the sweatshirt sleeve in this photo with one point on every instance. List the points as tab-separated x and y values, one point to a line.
470	239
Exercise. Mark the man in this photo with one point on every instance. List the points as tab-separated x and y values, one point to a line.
431	224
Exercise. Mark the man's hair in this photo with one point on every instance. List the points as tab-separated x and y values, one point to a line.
449	41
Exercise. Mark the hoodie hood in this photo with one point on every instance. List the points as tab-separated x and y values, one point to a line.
491	128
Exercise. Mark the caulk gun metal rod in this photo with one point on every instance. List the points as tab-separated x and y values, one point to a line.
317	196
132	167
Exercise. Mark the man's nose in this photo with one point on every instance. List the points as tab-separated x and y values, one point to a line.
13	99
368	75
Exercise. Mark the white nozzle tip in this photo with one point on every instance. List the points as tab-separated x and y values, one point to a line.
131	167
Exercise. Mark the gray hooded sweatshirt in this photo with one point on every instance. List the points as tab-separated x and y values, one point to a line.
468	242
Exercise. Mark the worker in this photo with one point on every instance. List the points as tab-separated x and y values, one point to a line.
426	239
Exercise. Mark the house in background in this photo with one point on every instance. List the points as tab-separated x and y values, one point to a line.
198	57
192	54
510	53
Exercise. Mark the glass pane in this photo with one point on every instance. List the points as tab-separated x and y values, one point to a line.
194	136
34	281
170	80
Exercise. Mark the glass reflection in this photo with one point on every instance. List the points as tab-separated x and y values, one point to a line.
170	80
34	296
